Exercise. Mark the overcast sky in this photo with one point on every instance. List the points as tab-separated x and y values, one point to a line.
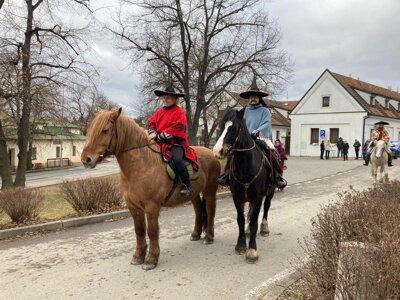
357	37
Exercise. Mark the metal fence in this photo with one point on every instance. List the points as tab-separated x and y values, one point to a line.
58	162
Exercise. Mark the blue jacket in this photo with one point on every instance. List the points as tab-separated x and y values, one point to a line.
258	118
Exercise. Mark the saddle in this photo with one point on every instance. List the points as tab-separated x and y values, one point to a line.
193	175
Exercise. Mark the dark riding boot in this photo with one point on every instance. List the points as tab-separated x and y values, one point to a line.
280	182
186	186
390	164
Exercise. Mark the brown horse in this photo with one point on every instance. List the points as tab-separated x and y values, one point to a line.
145	183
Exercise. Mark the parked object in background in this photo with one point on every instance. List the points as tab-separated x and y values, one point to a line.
395	148
365	148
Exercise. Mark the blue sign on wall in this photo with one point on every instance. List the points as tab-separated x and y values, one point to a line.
322	133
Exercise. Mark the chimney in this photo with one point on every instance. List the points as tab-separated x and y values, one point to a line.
387	102
372	100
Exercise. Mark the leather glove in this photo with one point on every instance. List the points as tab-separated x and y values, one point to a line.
163	136
255	134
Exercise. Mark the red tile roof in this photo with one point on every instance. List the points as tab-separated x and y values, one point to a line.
351	85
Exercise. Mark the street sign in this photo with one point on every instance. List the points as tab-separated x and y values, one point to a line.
322	133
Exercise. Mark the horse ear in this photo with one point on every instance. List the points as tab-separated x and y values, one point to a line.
115	114
240	113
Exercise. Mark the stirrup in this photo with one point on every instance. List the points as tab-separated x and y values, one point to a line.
186	191
223	180
280	182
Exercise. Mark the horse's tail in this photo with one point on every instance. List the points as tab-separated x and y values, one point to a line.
203	214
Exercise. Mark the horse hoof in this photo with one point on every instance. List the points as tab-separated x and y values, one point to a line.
208	241
240	251
251	256
264	233
194	237
149	266
137	261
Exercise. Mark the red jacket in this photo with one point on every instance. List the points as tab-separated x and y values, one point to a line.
172	120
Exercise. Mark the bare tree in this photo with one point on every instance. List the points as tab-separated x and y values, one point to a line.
202	46
46	51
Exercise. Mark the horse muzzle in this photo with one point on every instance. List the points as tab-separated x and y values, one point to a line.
88	162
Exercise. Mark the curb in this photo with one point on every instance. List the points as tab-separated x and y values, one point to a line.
277	288
74	222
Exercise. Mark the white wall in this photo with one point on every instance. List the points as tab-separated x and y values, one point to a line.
350	128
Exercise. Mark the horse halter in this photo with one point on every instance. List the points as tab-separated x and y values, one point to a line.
108	151
232	149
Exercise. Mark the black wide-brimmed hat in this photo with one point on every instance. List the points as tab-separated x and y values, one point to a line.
253	90
169	90
382	122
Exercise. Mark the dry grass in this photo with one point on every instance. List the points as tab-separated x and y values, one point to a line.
369	217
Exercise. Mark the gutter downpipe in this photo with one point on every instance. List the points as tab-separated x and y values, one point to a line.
363	135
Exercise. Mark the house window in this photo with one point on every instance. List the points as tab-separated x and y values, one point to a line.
278	133
58	152
334	135
73	150
34	153
325	101
314	136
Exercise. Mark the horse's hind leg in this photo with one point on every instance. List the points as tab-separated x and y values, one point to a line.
140	230
153	230
195	236
210	202
240	247
251	254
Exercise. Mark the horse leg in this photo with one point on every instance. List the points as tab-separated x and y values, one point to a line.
385	171
240	247
251	254
153	233
195	236
140	230
373	171
210	203
264	230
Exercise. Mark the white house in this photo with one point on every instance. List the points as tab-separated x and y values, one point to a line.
340	106
52	144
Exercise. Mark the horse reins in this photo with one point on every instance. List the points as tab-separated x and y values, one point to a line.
108	151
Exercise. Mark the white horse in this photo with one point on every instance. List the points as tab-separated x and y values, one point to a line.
379	158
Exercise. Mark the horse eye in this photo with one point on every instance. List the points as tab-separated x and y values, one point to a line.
104	131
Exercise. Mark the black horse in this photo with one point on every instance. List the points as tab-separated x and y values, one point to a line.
250	175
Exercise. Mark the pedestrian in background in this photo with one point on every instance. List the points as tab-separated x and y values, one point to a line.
282	154
357	146
339	146
328	149
345	150
322	148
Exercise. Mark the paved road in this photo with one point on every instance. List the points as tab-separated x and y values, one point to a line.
92	262
49	177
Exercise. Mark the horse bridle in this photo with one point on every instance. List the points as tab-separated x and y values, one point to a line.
108	151
231	149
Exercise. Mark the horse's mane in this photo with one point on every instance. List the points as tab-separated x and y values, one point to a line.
229	115
129	133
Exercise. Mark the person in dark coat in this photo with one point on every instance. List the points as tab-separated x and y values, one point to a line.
339	146
322	148
345	150
357	146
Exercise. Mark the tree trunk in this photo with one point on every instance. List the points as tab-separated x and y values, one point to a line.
23	126
29	164
5	169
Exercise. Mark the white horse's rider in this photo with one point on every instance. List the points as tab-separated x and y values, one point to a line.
258	121
380	133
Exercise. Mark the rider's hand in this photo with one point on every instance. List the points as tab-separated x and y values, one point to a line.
152	136
255	134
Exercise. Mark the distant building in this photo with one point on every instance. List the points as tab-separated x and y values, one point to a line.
340	106
53	145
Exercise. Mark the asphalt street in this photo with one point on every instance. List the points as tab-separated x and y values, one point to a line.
93	262
49	177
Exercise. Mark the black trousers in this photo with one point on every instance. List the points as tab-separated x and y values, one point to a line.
179	165
357	151
322	154
327	152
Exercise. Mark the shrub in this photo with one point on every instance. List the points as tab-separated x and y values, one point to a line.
21	204
92	194
370	217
